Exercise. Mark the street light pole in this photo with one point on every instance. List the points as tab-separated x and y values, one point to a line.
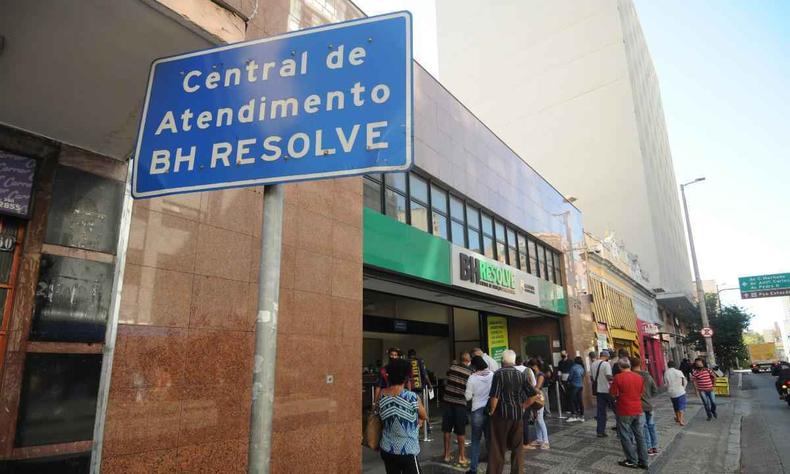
700	292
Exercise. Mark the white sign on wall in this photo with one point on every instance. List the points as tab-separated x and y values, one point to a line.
475	272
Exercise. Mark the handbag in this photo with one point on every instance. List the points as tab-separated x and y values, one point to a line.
539	402
595	379
373	429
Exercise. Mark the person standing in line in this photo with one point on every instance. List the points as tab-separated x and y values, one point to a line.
676	383
401	413
704	380
627	388
531	377
541	432
511	394
478	386
393	354
454	419
563	372
649	390
419	374
576	385
601	376
493	365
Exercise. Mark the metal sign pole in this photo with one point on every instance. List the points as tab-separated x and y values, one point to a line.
260	449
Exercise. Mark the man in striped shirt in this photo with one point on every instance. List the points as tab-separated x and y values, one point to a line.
454	418
704	379
511	394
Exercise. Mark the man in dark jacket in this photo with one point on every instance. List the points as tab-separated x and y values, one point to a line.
649	391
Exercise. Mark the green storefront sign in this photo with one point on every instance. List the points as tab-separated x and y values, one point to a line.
765	286
394	246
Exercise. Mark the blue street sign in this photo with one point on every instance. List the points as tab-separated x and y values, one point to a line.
324	102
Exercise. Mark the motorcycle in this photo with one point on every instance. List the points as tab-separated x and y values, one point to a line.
785	391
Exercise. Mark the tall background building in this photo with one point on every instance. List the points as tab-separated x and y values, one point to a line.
570	85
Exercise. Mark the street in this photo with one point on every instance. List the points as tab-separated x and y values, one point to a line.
766	427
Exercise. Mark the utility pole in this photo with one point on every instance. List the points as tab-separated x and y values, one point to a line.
700	292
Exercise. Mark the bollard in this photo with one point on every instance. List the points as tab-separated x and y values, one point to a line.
426	402
559	402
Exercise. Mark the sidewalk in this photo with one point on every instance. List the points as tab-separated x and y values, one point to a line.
574	446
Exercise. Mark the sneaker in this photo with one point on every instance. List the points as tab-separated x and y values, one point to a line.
642	466
602	435
544	446
571	419
653	452
715	415
627	463
530	446
581	419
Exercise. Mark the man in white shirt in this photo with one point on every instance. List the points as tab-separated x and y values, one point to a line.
601	377
478	388
676	389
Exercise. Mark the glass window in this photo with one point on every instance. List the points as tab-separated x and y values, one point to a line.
419	216
472	217
499	228
396	181
522	253
488	225
456	209
52	382
488	247
557	269
439	225
474	240
372	194
540	258
438	199
458	233
395	205
85	211
418	189
72	300
545	266
549	265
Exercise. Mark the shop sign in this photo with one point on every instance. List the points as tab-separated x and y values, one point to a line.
324	102
603	342
650	329
475	272
497	336
16	184
765	286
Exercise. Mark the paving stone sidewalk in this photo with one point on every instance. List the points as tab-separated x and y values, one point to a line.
574	446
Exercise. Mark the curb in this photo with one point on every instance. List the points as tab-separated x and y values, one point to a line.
732	460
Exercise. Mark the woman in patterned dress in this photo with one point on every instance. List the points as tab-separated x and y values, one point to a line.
401	414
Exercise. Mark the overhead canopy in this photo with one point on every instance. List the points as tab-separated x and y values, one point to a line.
76	72
679	304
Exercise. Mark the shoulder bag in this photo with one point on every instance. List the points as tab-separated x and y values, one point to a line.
373	429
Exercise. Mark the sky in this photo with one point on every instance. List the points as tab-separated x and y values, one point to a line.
724	71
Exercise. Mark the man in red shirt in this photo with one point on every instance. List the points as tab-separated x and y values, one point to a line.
626	389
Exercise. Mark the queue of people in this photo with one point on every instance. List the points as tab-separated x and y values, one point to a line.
501	398
506	400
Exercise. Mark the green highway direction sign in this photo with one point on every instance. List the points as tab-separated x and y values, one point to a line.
765	286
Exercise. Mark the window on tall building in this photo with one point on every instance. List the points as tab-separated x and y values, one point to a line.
522	253
557	270
372	192
458	226
395	196
418	191
501	243
541	261
534	265
487	228
473	228
549	265
439	220
512	253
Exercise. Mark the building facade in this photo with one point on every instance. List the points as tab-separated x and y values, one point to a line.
128	326
572	88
